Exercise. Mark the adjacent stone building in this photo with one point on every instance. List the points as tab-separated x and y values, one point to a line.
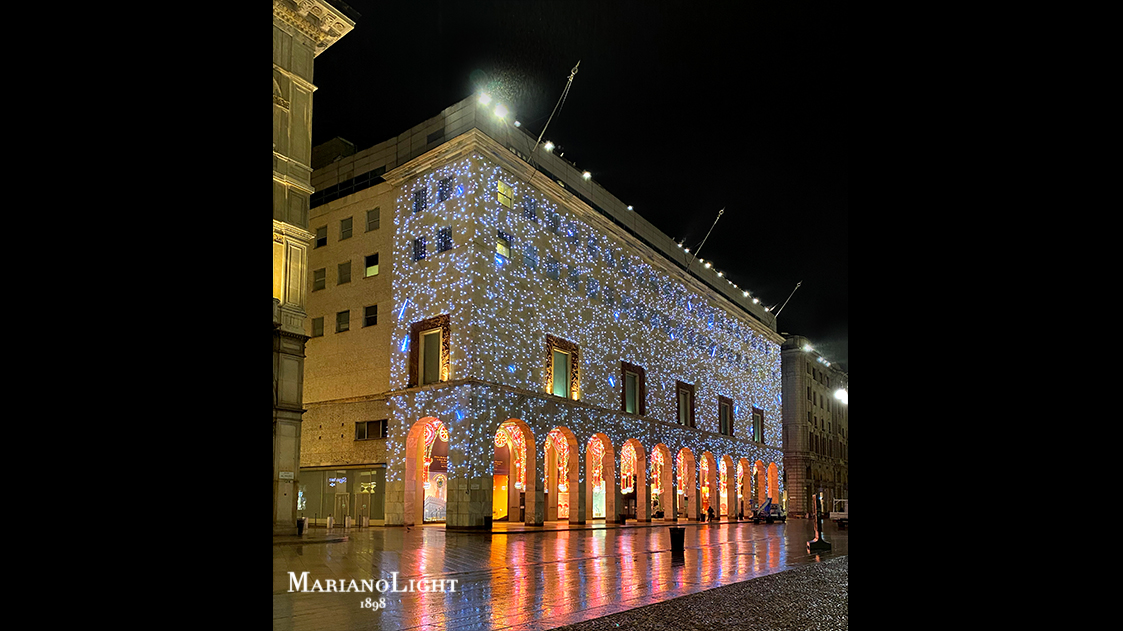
493	336
302	29
816	427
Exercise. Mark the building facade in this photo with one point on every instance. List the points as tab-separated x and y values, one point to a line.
493	336
816	427
301	30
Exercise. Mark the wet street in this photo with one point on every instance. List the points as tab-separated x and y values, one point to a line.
531	580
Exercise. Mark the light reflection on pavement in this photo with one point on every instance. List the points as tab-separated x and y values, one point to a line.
537	580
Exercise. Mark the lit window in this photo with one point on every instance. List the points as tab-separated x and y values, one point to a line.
505	193
561	374
725	415
430	369
503	244
372	265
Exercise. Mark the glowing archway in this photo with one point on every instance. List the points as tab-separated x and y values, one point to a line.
426	472
561	474
600	498
684	467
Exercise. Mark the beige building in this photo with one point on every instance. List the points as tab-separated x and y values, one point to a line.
493	336
302	29
816	427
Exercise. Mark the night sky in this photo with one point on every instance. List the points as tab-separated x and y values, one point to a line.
675	110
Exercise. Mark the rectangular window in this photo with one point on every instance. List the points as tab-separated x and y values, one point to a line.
631	393
369	430
530	257
684	392
319	279
503	244
344	273
444	189
418	248
592	289
444	239
505	193
634	390
317	327
758	425
561	374
345	228
373	219
371	265
430	356
420	199
530	208
553	267
342	321
370	315
725	415
321	237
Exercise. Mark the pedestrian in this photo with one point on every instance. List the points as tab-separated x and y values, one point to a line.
710	514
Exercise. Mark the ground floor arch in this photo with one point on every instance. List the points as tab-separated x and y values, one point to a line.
707	474
773	482
687	484
562	475
600	486
426	472
633	479
662	488
744	488
513	470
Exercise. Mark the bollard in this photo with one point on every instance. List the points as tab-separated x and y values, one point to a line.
300	526
678	537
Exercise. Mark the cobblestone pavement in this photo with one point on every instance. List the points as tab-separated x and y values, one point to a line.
544	580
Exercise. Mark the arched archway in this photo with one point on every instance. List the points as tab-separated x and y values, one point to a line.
514	469
662	505
561	475
726	486
633	479
600	469
687	485
760	479
774	482
744	487
426	472
708	481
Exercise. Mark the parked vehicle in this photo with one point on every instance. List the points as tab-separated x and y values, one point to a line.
841	517
769	513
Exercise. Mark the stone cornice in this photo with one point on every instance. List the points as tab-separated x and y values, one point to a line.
320	22
282	230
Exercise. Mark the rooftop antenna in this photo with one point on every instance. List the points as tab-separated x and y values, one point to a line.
568	83
789	298
699	250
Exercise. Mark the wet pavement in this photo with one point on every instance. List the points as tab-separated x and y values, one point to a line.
541	579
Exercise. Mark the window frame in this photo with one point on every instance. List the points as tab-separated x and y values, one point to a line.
574	378
346	228
376	212
367	265
501	195
758	425
415	360
321	280
681	386
346	321
339	276
367	315
641	387
725	403
380	431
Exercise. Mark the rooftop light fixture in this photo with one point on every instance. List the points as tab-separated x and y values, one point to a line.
630	208
586	175
707	265
485	99
500	111
518	124
745	293
549	146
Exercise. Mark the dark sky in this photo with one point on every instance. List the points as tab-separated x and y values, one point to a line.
676	110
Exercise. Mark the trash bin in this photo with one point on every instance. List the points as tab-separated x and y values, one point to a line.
678	536
300	526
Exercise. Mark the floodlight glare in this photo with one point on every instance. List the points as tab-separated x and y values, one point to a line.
630	208
549	146
485	99
586	175
500	111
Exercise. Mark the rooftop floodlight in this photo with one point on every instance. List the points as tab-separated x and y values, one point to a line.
842	395
745	293
500	111
586	175
485	98
549	146
630	208
707	265
756	301
518	124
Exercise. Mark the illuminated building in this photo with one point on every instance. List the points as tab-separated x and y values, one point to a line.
467	284
302	29
816	427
